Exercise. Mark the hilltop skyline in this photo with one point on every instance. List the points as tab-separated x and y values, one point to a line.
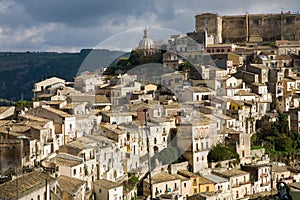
53	26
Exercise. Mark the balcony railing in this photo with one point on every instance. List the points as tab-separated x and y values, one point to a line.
265	184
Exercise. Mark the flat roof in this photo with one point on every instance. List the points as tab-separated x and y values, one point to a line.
231	173
214	178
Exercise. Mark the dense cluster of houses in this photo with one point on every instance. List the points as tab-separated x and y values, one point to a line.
86	139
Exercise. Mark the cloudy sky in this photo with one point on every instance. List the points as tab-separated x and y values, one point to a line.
69	25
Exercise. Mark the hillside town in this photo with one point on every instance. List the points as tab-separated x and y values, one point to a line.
189	128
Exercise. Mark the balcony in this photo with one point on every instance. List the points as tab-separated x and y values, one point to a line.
264	175
240	184
265	184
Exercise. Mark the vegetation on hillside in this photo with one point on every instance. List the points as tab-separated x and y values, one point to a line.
19	71
137	57
220	153
276	137
130	183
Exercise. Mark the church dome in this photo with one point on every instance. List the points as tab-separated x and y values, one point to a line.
146	42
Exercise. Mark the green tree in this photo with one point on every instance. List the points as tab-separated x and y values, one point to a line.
185	66
22	104
221	152
277	138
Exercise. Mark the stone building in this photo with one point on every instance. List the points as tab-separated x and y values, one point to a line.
11	154
249	27
241	143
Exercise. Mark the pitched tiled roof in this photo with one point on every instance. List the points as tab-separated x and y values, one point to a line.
107	184
70	185
26	184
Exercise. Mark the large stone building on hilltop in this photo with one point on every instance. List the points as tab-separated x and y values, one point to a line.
249	27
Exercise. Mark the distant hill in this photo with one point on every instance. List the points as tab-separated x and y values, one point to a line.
20	70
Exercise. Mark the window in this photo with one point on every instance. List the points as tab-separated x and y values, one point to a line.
184	185
206	21
100	191
74	171
207	188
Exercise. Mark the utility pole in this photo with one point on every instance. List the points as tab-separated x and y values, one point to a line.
148	151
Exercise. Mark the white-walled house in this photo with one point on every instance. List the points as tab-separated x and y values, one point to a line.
240	182
85	149
116	117
163	183
195	94
87	82
65	124
195	137
68	165
222	185
260	177
42	86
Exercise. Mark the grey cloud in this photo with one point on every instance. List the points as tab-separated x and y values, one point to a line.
84	13
79	23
